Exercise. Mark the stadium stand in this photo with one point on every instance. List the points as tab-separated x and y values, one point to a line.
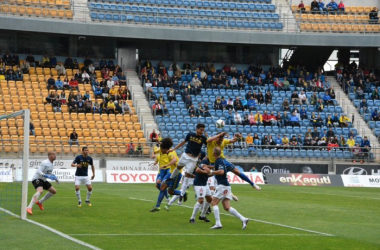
53	120
179	103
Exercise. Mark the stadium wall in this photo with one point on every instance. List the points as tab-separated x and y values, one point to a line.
8	23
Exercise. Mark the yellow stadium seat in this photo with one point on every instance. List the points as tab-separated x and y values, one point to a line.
119	118
111	118
86	132
361	28
106	149
360	9
355	28
20	2
344	18
351	18
349	28
132	133
104	118
109	133
51	3
347	9
13	9
66	4
114	149
62	132
98	149
114	125
74	116
52	124
354	9
99	124
66	149
43	2
21	10
42	148
68	124
140	134
335	27
367	9
107	125
91	125
369	28
83	124
135	118
69	14
363	18
33	148
342	27
137	125
59	3
124	133
127	118
122	125
46	12
376	28
101	133
75	149
117	133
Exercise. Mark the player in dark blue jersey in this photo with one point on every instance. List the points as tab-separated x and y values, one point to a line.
223	192
189	158
202	190
82	162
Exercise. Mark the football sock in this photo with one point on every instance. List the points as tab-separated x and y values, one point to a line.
175	173
166	194
160	198
47	196
197	206
77	193
217	216
159	186
245	178
236	213
34	199
172	200
177	192
89	193
206	205
184	185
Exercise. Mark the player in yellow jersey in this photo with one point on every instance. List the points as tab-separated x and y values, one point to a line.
220	142
167	163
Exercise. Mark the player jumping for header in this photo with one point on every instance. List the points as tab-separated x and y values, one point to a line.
189	158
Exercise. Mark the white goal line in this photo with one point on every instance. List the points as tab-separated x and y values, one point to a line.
53	231
261	221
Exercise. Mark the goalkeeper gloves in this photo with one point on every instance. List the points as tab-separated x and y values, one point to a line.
50	176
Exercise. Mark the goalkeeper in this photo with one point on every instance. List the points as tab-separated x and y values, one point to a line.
40	183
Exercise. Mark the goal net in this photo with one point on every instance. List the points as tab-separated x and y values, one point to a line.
14	157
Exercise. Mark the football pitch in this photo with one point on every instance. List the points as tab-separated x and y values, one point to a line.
282	217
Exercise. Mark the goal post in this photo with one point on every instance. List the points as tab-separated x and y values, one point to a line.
25	114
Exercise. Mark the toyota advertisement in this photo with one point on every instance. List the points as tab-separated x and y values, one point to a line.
351	169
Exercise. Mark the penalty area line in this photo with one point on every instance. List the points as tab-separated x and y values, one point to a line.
261	221
53	231
166	234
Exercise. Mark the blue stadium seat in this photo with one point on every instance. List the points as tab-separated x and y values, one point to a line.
101	16
238	152
144	19
289	153
94	16
303	153
281	153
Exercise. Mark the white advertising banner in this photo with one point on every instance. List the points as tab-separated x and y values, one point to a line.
127	165
58	164
6	175
361	180
65	175
119	176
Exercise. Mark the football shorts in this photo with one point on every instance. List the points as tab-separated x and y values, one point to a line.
223	192
188	162
85	180
202	191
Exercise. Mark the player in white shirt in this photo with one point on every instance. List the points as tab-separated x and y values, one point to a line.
40	183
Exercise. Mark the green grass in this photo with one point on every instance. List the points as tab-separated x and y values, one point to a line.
115	221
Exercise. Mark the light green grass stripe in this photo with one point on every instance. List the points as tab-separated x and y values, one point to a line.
261	221
158	234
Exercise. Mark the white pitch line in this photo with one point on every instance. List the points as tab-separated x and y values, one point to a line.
160	234
53	231
262	221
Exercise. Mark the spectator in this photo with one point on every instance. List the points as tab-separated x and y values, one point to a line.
344	120
237	118
111	107
251	104
153	136
249	140
332	144
302	98
319	107
327	99
314	99
303	113
191	111
299	140
341	7
332	7
278	85
230	104
315	133
258	119
268	97
98	92
130	148
97	107
30	60
374	114
365	147
294	120
359	93
31	129
336	119
279	120
330	133
74	138
85	77
88	106
253	170
25	66
45	61
321	6
230	118
351	142
156	108
278	141
80	105
59	83
272	119
314	7
237	104
285	142
286	105
357	154
301	7
51	83
285	119
125	107
72	105
73	84
56	104
294	97
206	110
266	121
373	18
293	141
60	69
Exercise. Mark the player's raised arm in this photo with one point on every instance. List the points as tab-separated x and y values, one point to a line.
236	137
180	145
211	139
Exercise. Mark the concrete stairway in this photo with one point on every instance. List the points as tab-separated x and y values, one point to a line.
349	109
286	16
140	103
